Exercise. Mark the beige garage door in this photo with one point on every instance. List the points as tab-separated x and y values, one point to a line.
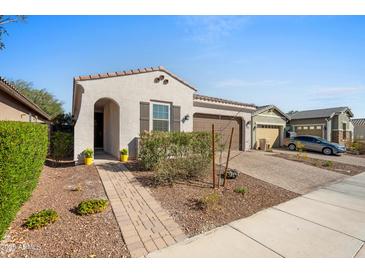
269	132
223	125
309	130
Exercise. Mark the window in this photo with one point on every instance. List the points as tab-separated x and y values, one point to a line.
344	131
160	117
318	127
311	127
305	127
299	128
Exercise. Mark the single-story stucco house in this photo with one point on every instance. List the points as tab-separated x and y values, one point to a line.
359	128
110	111
332	124
15	106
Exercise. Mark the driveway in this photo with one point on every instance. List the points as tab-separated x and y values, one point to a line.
345	159
290	175
329	222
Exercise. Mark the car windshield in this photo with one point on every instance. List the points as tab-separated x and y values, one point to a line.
321	139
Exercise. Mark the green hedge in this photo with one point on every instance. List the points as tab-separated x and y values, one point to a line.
175	155
23	150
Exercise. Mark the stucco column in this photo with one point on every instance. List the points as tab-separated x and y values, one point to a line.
84	130
328	130
282	129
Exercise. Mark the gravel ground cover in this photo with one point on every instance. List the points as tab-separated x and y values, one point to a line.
72	235
324	164
183	199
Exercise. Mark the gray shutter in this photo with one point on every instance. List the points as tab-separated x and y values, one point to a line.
175	118
144	116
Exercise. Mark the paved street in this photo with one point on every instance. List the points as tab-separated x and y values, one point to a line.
329	222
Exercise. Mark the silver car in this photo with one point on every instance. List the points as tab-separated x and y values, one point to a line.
315	143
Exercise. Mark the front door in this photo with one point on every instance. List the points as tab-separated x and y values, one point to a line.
98	129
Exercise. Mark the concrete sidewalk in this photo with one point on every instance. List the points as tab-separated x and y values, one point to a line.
329	222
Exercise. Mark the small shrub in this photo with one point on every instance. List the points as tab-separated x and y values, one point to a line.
91	206
40	219
175	155
61	145
88	153
210	201
124	151
300	148
240	190
157	146
172	170
328	163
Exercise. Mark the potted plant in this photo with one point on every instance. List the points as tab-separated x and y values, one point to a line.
124	155
88	153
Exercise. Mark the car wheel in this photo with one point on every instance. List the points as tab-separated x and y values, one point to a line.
292	147
327	151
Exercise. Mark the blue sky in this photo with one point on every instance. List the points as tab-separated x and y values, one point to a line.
295	62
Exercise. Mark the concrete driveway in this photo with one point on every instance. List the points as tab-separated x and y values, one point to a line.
290	175
345	159
329	222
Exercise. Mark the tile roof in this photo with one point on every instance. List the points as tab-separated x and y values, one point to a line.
358	122
220	100
13	92
130	72
318	113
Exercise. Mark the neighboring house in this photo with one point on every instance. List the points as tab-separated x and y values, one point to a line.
111	110
268	122
359	128
16	107
332	124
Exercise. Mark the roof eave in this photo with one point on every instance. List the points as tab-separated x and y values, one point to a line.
11	91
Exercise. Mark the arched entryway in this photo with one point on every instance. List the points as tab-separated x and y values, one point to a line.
106	126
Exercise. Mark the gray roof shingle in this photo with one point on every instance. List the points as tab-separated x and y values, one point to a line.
318	113
358	122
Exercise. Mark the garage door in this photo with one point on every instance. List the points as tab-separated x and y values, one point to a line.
310	130
223	125
269	132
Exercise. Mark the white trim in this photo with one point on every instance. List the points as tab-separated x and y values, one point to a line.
301	125
271	116
168	113
271	124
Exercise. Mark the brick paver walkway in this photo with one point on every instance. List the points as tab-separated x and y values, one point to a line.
144	224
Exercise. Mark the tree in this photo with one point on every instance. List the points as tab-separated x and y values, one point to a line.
292	112
7	20
41	97
63	122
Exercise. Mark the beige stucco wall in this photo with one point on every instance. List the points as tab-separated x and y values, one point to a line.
245	114
13	110
127	92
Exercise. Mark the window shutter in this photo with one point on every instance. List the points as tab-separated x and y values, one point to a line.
175	118
144	116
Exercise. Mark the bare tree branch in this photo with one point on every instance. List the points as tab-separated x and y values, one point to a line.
6	20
